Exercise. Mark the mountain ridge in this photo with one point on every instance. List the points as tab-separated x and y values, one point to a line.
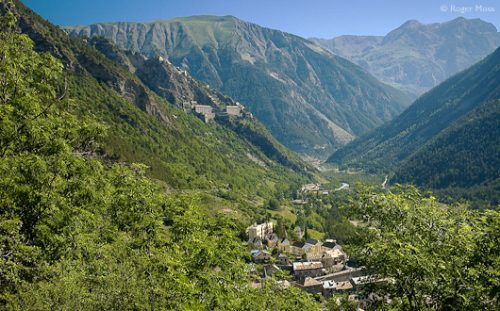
310	100
415	57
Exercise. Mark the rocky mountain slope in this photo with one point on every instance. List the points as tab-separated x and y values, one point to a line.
180	149
416	57
312	101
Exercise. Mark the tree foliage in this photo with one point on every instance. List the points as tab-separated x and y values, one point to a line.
431	256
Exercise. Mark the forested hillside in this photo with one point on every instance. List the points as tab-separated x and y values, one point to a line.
79	233
464	159
179	148
386	147
446	137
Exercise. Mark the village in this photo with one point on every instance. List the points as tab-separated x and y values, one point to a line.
314	266
322	268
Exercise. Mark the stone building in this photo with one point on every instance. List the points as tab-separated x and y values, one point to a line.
310	285
205	111
312	269
233	111
260	231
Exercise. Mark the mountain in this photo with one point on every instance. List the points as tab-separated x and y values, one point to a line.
416	57
235	154
446	138
463	156
178	87
311	101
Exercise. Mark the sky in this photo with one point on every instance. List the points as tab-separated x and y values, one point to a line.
306	18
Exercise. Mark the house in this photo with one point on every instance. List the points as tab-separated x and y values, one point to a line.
187	106
310	188
314	256
302	270
261	231
329	245
333	257
283	260
312	241
208	117
284	263
284	245
329	287
310	285
312	248
233	110
260	256
205	111
297	248
345	275
273	240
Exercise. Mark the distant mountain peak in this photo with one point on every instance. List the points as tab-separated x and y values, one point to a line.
416	57
412	23
474	24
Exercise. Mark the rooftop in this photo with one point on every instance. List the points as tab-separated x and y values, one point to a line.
310	282
298	244
329	244
312	241
334	253
344	285
298	266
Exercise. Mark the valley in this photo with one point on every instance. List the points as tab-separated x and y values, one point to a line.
210	163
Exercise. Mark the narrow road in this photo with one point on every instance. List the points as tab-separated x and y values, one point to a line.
384	184
343	186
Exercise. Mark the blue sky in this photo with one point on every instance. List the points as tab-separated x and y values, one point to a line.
306	18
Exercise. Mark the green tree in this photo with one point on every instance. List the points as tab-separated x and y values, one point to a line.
341	303
280	227
432	256
273	204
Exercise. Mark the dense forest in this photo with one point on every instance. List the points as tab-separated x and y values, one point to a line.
462	159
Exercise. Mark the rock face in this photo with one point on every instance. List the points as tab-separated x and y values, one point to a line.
449	137
416	57
178	87
311	100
